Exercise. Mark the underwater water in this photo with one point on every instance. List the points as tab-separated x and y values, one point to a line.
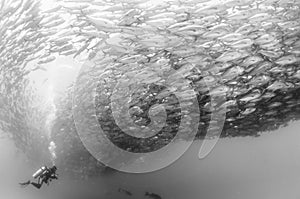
264	167
89	83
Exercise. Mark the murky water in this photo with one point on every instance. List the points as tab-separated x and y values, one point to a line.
264	167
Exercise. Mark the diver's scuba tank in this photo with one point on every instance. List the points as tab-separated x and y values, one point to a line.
39	172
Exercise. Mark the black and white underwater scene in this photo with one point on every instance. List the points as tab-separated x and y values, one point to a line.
149	99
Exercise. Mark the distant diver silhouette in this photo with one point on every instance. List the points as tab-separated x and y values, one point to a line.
44	175
120	190
152	195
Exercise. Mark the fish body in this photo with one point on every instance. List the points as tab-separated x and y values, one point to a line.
289	59
263	39
233	72
261	68
215	33
240	15
243	43
260	17
210	10
47	60
229	56
270	53
245	29
160	23
252	60
259	80
180	24
277	85
251	96
101	23
232	37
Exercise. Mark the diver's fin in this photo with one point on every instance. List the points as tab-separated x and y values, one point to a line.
25	184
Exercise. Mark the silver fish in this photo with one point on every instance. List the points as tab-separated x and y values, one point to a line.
288	59
47	60
244	43
263	39
277	85
245	29
229	56
101	22
248	111
251	96
214	33
252	60
271	54
55	9
229	38
260	80
160	23
260	17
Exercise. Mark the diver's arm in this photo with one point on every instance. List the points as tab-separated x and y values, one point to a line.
54	176
39	180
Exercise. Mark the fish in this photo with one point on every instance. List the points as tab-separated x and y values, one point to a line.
275	104
214	33
288	59
291	41
252	60
180	24
162	15
259	17
261	68
251	96
82	48
243	43
75	7
183	51
259	80
240	15
130	59
61	41
49	19
182	17
64	48
210	10
277	70
193	27
245	29
229	56
101	23
221	26
219	90
47	60
263	39
232	72
297	74
160	23
206	20
288	24
270	53
277	85
248	111
232	37
52	10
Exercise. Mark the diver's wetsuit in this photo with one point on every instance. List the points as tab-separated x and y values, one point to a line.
49	175
44	178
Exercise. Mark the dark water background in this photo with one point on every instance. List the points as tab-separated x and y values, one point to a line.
264	167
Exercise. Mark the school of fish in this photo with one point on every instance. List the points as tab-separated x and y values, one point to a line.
247	49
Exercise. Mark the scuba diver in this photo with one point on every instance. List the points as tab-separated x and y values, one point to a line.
44	175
